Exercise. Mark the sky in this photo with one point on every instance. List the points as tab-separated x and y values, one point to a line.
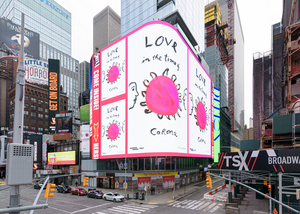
257	18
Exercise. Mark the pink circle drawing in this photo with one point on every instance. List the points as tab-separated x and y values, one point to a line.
113	131
201	115
113	74
162	96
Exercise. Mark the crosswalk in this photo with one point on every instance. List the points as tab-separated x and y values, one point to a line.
127	208
204	205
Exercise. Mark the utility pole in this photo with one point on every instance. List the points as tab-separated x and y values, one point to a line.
18	114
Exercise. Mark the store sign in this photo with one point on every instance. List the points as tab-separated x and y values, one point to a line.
123	175
283	160
53	91
61	158
150	97
188	171
154	174
217	124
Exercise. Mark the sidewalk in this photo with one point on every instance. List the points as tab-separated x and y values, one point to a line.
160	197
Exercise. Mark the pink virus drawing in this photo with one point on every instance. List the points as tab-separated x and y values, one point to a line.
113	74
161	95
113	131
201	115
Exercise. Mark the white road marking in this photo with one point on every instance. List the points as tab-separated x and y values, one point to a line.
122	208
215	208
198	205
204	205
209	207
89	208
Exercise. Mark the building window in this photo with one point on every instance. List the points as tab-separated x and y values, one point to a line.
26	120
40	115
40	101
33	100
40	122
26	105
32	128
25	112
46	116
26	98
25	127
46	130
46	103
33	121
46	110
40	129
40	109
33	114
33	107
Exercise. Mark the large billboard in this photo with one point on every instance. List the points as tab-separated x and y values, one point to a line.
36	71
217	123
282	160
10	34
61	158
150	96
63	122
53	91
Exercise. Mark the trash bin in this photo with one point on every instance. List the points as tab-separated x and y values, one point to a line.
135	195
142	196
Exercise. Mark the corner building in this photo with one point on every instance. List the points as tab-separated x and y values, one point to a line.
161	170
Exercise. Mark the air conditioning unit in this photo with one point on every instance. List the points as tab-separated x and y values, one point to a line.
19	164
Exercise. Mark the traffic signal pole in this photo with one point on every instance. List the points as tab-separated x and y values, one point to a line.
18	114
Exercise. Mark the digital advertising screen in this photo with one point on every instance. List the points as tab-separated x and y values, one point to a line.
150	96
61	158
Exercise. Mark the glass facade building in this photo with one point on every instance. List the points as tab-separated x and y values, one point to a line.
53	23
135	13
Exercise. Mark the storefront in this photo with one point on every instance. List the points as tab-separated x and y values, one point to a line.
107	182
189	176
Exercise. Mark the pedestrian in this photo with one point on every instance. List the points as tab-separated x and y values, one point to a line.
76	183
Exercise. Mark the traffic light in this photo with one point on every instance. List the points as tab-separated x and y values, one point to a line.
208	181
270	188
85	181
265	182
49	190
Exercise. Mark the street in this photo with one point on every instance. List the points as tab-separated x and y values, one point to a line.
67	203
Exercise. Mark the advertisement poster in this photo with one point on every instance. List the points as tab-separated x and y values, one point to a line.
36	71
154	181
159	181
10	34
61	158
157	79
200	117
85	140
44	150
217	138
134	183
113	71
155	97
113	129
63	123
95	106
85	113
168	181
143	182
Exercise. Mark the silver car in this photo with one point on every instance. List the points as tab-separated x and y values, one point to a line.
113	196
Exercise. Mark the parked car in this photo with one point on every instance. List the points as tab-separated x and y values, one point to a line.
39	186
78	191
95	194
113	196
63	189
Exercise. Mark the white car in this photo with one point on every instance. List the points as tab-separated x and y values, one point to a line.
113	196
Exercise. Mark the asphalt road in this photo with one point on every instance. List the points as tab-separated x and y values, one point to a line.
67	203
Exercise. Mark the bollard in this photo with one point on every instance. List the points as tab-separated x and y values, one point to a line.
229	197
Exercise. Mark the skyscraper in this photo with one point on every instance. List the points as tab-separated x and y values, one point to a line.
191	15
237	88
53	24
106	28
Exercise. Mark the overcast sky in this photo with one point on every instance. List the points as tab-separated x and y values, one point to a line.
257	18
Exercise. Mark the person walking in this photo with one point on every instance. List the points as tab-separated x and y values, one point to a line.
76	183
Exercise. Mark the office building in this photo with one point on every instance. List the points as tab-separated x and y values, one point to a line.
106	28
50	24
